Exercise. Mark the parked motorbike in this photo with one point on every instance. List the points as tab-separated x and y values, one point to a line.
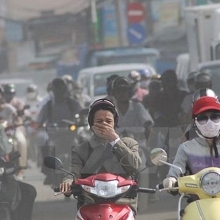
205	185
9	191
104	190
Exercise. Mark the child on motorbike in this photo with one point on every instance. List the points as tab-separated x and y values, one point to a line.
105	151
203	150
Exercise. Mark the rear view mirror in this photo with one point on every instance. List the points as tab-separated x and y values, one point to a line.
53	163
158	156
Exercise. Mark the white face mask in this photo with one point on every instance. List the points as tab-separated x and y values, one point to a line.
70	87
144	84
31	95
210	129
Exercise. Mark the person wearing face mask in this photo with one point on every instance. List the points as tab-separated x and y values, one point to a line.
139	92
203	150
33	100
190	131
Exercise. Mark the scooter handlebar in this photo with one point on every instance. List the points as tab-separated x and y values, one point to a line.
56	189
159	186
146	190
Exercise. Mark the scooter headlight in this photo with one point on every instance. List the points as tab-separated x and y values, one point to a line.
106	189
210	183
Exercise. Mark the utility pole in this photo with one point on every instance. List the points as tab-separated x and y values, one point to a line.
121	24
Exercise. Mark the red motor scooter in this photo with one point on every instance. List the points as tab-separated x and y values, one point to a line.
104	189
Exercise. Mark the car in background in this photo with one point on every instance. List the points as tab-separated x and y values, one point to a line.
110	56
93	79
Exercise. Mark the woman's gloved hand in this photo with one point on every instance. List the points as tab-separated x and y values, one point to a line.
169	183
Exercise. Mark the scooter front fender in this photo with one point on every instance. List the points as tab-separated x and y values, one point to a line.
205	209
105	212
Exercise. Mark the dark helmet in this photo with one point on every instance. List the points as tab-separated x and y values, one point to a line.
32	88
109	82
102	104
203	92
203	80
120	83
9	88
191	77
169	76
58	83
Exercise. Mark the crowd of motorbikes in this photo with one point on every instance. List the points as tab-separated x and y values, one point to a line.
104	189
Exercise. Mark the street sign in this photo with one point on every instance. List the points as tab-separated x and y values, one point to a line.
135	12
136	33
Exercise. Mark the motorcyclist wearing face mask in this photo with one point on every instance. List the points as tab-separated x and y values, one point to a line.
191	154
190	131
9	114
33	100
139	92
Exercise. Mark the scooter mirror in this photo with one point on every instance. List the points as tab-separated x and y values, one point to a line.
53	163
158	156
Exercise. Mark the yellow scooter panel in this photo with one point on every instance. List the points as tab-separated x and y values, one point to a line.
206	209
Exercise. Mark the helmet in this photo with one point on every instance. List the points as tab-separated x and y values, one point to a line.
134	76
102	104
203	92
59	88
120	83
145	74
205	103
67	78
169	76
32	88
191	76
57	83
203	80
109	82
9	88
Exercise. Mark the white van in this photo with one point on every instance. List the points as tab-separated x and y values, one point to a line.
94	79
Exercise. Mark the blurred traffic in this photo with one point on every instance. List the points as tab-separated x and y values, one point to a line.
147	58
